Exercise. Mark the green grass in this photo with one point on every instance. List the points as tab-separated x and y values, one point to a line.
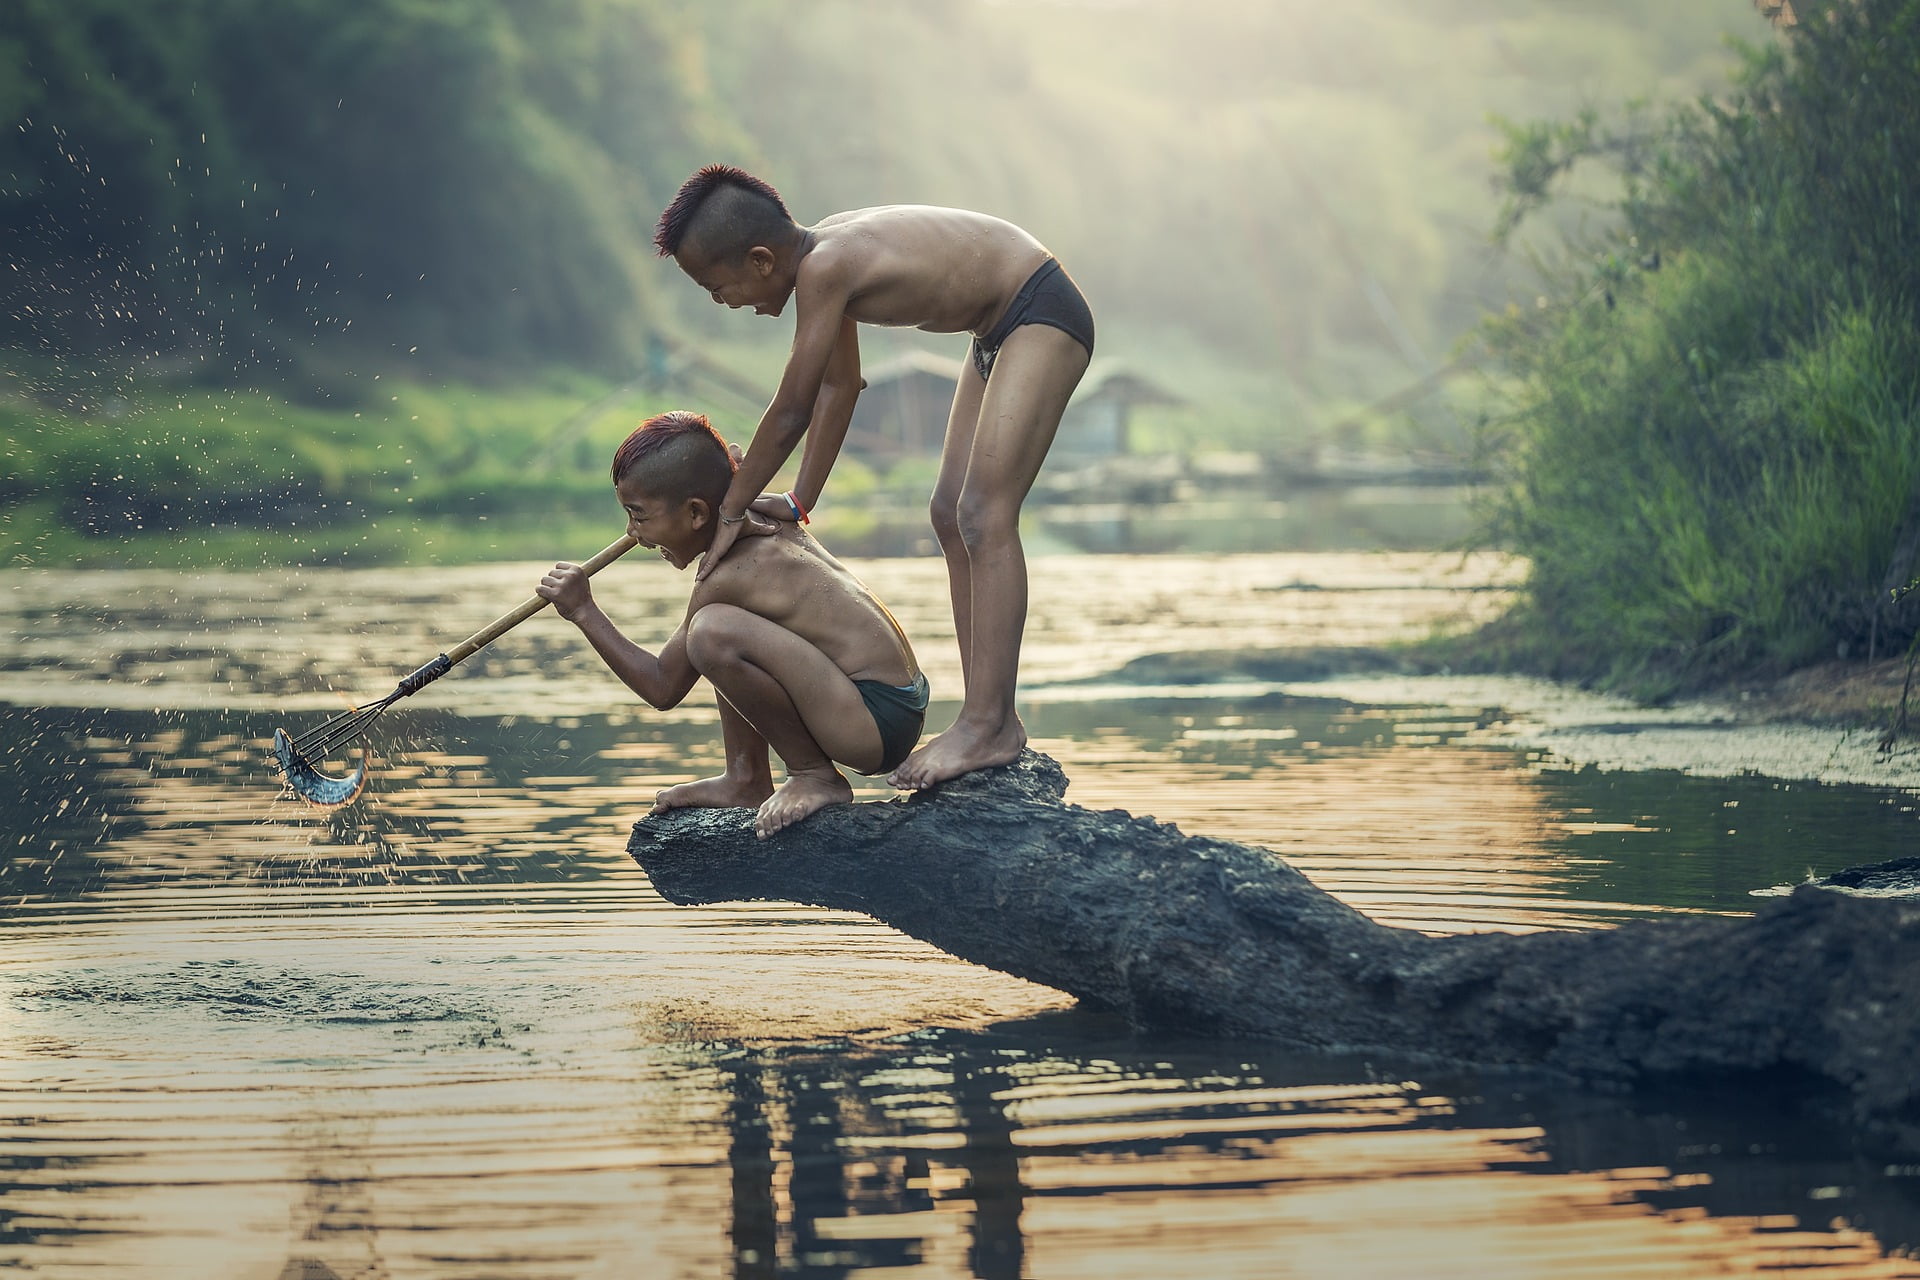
199	477
405	474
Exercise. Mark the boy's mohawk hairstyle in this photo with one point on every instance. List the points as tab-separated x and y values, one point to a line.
671	230
662	430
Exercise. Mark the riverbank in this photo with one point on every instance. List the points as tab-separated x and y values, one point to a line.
1862	695
388	472
1825	723
1710	445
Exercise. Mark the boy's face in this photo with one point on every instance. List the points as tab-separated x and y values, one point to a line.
748	282
680	531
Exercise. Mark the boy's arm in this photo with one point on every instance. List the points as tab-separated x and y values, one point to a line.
663	679
832	411
820	306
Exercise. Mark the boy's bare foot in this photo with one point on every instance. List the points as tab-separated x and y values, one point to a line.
723	792
800	795
961	749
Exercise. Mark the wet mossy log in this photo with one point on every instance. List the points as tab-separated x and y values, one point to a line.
1182	932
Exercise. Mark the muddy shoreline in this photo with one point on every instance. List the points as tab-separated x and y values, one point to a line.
1857	695
1826	723
1841	694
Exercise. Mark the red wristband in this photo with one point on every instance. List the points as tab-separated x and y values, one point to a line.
799	512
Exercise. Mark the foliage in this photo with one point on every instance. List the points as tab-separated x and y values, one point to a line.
1712	449
470	180
403	474
465	185
246	477
252	210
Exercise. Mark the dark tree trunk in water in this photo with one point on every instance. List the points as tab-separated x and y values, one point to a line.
1182	932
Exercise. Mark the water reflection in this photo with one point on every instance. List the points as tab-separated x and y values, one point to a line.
1419	817
1409	813
1056	1145
319	640
982	1154
451	1030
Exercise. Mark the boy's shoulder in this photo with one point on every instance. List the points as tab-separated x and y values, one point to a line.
763	572
883	215
950	263
885	230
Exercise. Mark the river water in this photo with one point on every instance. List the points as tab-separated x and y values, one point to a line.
450	1031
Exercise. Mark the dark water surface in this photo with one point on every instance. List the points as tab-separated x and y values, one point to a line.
451	1031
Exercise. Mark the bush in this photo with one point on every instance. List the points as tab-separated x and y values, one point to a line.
1710	446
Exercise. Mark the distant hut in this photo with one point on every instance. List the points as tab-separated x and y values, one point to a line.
1096	422
903	411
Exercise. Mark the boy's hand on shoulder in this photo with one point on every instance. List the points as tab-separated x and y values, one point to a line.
566	587
775	507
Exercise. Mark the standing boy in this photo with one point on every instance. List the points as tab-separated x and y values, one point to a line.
801	654
945	271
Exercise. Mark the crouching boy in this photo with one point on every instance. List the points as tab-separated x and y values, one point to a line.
802	656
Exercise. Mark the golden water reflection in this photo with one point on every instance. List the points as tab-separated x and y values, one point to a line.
295	640
450	1030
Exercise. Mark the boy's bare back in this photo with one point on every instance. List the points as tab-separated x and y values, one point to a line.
790	579
942	270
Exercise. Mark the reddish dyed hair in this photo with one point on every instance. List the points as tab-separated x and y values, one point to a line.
683	455
726	210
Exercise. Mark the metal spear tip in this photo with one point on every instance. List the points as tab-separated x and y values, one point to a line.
309	783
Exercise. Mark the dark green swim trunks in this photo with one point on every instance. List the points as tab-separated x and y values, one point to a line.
900	712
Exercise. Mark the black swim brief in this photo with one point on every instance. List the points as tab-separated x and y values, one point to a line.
1048	297
900	712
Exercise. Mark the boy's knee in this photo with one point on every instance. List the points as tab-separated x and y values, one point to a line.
945	513
980	518
713	635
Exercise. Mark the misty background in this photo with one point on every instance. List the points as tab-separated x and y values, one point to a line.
224	221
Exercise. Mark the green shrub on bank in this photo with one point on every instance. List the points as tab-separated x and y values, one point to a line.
408	474
1712	453
183	477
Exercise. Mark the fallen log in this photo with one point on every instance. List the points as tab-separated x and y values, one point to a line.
1192	934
